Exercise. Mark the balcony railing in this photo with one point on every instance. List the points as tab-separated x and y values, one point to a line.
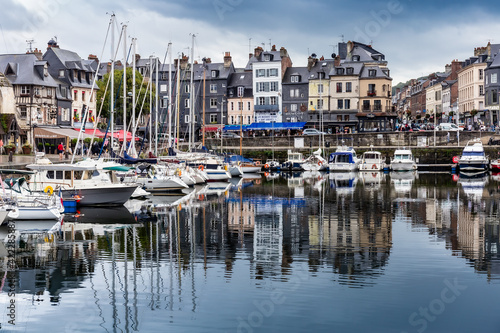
371	93
266	107
377	108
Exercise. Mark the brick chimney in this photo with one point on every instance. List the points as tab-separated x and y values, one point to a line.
137	57
250	55
337	61
273	48
455	67
311	62
283	52
37	53
93	57
258	51
52	43
227	60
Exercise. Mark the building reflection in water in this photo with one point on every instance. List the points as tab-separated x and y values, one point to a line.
338	223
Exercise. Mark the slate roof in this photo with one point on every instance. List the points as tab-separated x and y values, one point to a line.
239	79
355	65
301	71
223	71
276	56
25	69
379	73
324	66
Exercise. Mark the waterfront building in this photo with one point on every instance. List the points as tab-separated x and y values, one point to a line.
417	99
433	97
471	81
75	78
295	87
34	90
8	111
449	99
492	89
268	69
239	100
319	91
344	95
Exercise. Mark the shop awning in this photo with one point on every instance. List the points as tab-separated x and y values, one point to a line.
277	126
211	128
43	133
236	127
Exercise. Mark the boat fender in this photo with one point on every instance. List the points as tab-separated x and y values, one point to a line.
179	172
225	167
49	190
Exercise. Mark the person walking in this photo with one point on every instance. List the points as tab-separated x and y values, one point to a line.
60	150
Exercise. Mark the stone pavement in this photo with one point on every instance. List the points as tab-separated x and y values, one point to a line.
20	161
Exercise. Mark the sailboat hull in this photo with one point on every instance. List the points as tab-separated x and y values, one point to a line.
97	196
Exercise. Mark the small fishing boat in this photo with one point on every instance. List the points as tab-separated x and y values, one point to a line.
371	161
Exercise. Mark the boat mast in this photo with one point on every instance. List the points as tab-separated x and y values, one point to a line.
169	50
177	129
112	86
191	97
124	84
150	100
157	64
131	149
203	118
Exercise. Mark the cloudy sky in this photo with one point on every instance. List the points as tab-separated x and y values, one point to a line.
417	37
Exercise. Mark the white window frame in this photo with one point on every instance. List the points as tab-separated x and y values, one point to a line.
213	88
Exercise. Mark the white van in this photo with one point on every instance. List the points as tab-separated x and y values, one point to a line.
449	127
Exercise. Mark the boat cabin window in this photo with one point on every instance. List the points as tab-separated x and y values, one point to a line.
67	174
371	156
342	159
473	153
51	174
402	157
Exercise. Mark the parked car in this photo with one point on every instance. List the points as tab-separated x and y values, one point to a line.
230	135
448	127
312	131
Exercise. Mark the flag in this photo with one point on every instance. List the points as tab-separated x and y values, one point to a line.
60	196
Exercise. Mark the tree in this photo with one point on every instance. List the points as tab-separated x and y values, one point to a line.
141	89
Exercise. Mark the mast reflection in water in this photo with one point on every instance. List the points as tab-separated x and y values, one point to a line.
341	252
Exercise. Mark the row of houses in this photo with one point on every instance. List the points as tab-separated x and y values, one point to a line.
351	90
467	92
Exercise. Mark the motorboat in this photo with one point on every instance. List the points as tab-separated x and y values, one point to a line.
403	180
343	159
93	185
343	182
473	158
403	160
155	179
371	161
294	162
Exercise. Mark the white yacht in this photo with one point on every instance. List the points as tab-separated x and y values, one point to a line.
294	162
92	186
473	158
343	159
403	160
315	162
371	161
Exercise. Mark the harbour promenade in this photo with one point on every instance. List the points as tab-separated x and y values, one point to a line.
20	161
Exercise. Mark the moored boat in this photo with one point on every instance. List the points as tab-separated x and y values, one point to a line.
473	158
403	160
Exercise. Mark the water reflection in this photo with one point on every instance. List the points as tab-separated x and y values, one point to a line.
162	253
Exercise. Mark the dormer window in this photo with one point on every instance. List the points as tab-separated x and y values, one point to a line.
340	71
350	71
321	75
372	72
241	90
215	73
267	57
45	70
61	73
295	78
355	58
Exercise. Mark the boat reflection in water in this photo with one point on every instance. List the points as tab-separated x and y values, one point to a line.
473	186
233	244
403	180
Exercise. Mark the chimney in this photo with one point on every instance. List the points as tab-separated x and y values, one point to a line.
273	48
38	54
258	51
283	52
455	67
52	43
227	60
337	61
137	57
350	47
250	55
322	58
184	61
208	60
93	57
342	48
447	68
311	62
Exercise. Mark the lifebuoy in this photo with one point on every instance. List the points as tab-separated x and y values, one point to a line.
266	174
201	167
455	159
49	190
266	166
374	166
320	163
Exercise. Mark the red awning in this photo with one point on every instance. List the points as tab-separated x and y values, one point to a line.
90	131
120	134
211	129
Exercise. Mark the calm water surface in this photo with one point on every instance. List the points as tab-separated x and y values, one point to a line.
342	252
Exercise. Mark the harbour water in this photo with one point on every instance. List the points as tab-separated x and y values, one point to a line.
345	252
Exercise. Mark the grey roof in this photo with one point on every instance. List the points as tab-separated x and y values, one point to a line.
496	62
223	72
355	65
379	73
448	83
301	71
324	66
27	70
65	59
239	79
276	56
366	53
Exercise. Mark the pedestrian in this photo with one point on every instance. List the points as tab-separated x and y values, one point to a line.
448	137
60	150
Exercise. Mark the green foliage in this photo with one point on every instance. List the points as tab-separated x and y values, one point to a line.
3	121
140	92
